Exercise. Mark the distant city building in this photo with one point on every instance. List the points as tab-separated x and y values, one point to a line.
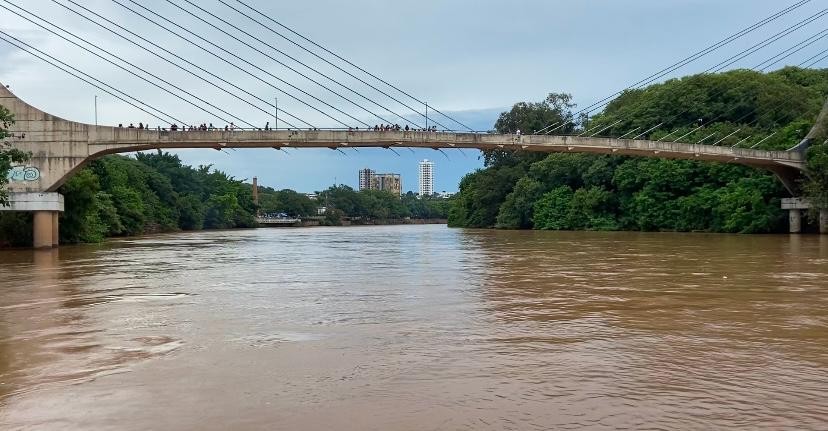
365	176
370	180
312	196
446	195
387	182
426	178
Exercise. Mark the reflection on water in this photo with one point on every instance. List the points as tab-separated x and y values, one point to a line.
417	327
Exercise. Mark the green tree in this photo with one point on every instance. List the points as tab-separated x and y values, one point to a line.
8	156
584	191
517	210
553	208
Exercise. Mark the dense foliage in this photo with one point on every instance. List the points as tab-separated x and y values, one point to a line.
155	192
342	201
597	192
123	196
8	156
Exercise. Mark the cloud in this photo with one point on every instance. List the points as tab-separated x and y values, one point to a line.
472	58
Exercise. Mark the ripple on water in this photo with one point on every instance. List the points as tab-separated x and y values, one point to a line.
418	327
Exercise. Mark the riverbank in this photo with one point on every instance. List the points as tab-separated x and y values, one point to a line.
397	221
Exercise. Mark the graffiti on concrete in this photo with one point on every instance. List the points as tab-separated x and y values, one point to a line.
24	173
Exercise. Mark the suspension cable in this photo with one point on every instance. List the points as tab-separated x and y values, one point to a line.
271	57
100	86
767	42
728	40
348	62
224	60
806	43
292	58
175	56
792	51
244	60
755	48
123	68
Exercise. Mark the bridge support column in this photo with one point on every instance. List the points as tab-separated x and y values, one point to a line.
795	220
44	229
795	206
55	229
46	208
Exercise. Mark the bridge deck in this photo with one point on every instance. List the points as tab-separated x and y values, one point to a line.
105	140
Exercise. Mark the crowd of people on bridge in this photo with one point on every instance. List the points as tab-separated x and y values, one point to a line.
208	127
203	127
394	128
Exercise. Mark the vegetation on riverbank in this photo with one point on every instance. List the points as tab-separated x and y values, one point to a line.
598	192
8	156
342	201
154	192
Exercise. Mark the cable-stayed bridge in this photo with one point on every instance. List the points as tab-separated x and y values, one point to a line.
344	95
60	147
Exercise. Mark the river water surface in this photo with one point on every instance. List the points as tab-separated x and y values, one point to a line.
416	328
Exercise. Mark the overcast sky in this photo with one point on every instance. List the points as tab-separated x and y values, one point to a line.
470	58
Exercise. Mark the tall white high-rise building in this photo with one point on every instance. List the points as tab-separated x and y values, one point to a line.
426	178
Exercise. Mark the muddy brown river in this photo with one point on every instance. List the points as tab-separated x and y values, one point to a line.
417	328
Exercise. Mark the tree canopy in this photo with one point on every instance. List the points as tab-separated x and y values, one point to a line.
155	192
8	156
519	190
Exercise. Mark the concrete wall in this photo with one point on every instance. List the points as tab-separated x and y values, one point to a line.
57	147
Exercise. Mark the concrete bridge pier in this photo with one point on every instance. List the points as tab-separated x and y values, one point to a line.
46	208
795	220
46	229
795	207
